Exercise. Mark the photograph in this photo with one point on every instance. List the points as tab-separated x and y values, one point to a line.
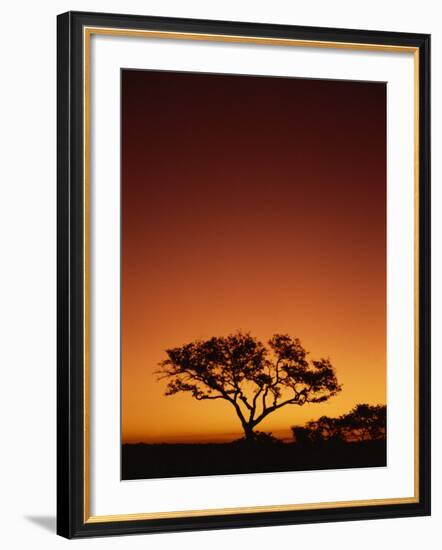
253	274
221	252
243	274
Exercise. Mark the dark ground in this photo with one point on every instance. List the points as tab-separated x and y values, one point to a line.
143	461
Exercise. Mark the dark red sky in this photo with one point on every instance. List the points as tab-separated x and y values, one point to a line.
253	203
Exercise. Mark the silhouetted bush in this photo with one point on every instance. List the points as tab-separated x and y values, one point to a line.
363	423
260	438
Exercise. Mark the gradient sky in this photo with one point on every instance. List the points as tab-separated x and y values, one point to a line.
251	203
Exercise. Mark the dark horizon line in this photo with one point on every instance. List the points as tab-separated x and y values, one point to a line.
220	436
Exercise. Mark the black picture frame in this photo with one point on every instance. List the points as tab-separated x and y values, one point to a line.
72	521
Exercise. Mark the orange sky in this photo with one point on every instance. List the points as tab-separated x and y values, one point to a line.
256	204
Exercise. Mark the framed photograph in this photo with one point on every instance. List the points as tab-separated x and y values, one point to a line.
243	274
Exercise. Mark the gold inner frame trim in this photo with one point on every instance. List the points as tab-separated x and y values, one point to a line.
87	34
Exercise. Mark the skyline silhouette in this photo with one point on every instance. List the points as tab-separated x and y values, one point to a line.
356	439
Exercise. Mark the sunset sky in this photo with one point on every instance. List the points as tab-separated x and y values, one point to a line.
254	204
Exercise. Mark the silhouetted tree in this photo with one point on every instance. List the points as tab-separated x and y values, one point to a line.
364	422
317	431
302	436
256	380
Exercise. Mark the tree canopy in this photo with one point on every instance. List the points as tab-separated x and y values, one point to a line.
256	379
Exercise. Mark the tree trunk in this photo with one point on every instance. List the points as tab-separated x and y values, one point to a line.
249	433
